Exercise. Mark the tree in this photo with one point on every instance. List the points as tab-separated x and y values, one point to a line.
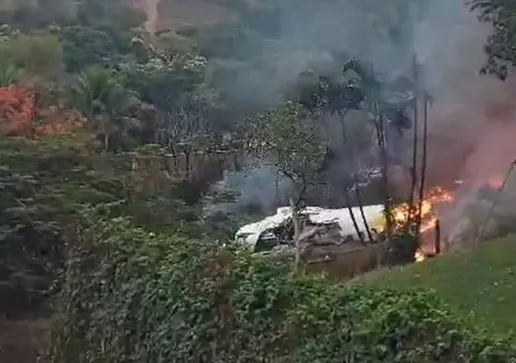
285	139
20	50
17	111
340	96
85	47
176	86
43	185
294	146
501	44
22	115
101	97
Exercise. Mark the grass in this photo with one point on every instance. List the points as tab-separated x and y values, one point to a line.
478	284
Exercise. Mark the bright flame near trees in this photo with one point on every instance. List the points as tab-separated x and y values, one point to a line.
495	182
403	212
429	215
419	256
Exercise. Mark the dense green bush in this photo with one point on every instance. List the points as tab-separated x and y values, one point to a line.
132	296
42	187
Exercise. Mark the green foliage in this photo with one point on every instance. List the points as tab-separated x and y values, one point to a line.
100	95
501	45
170	83
132	296
402	248
42	187
288	141
85	47
477	283
9	74
100	34
20	49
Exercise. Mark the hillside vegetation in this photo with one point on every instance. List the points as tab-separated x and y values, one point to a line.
116	245
477	284
161	298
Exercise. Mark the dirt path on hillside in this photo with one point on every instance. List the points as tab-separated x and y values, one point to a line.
150	7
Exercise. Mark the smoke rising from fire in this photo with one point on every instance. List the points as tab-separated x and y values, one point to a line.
470	136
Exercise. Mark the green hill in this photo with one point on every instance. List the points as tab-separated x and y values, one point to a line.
479	284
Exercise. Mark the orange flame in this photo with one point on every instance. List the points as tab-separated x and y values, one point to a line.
429	217
419	256
495	182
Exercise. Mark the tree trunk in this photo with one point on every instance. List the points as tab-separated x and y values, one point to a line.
362	214
302	192
437	238
351	153
106	141
413	171
352	216
276	185
297	232
423	164
380	134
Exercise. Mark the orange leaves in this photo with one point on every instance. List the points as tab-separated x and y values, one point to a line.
20	115
16	110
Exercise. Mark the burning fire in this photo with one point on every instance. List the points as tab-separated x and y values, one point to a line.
428	216
495	182
403	212
419	256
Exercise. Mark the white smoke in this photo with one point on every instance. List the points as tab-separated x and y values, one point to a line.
470	135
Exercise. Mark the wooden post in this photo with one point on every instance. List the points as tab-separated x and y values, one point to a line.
297	232
437	238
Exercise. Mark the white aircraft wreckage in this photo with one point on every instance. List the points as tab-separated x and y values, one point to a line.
320	225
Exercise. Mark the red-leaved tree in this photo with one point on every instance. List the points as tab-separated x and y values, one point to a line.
20	115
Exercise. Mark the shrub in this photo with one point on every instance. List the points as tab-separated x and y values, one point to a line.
131	296
42	185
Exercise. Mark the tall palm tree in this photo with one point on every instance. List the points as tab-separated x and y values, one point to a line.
101	96
388	103
423	163
324	94
356	89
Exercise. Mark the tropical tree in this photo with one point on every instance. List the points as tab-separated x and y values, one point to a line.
290	143
100	96
294	146
338	96
501	44
176	86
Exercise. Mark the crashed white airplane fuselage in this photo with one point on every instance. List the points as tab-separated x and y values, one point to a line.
374	214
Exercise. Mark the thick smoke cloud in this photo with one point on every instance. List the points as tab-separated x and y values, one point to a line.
387	33
469	119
